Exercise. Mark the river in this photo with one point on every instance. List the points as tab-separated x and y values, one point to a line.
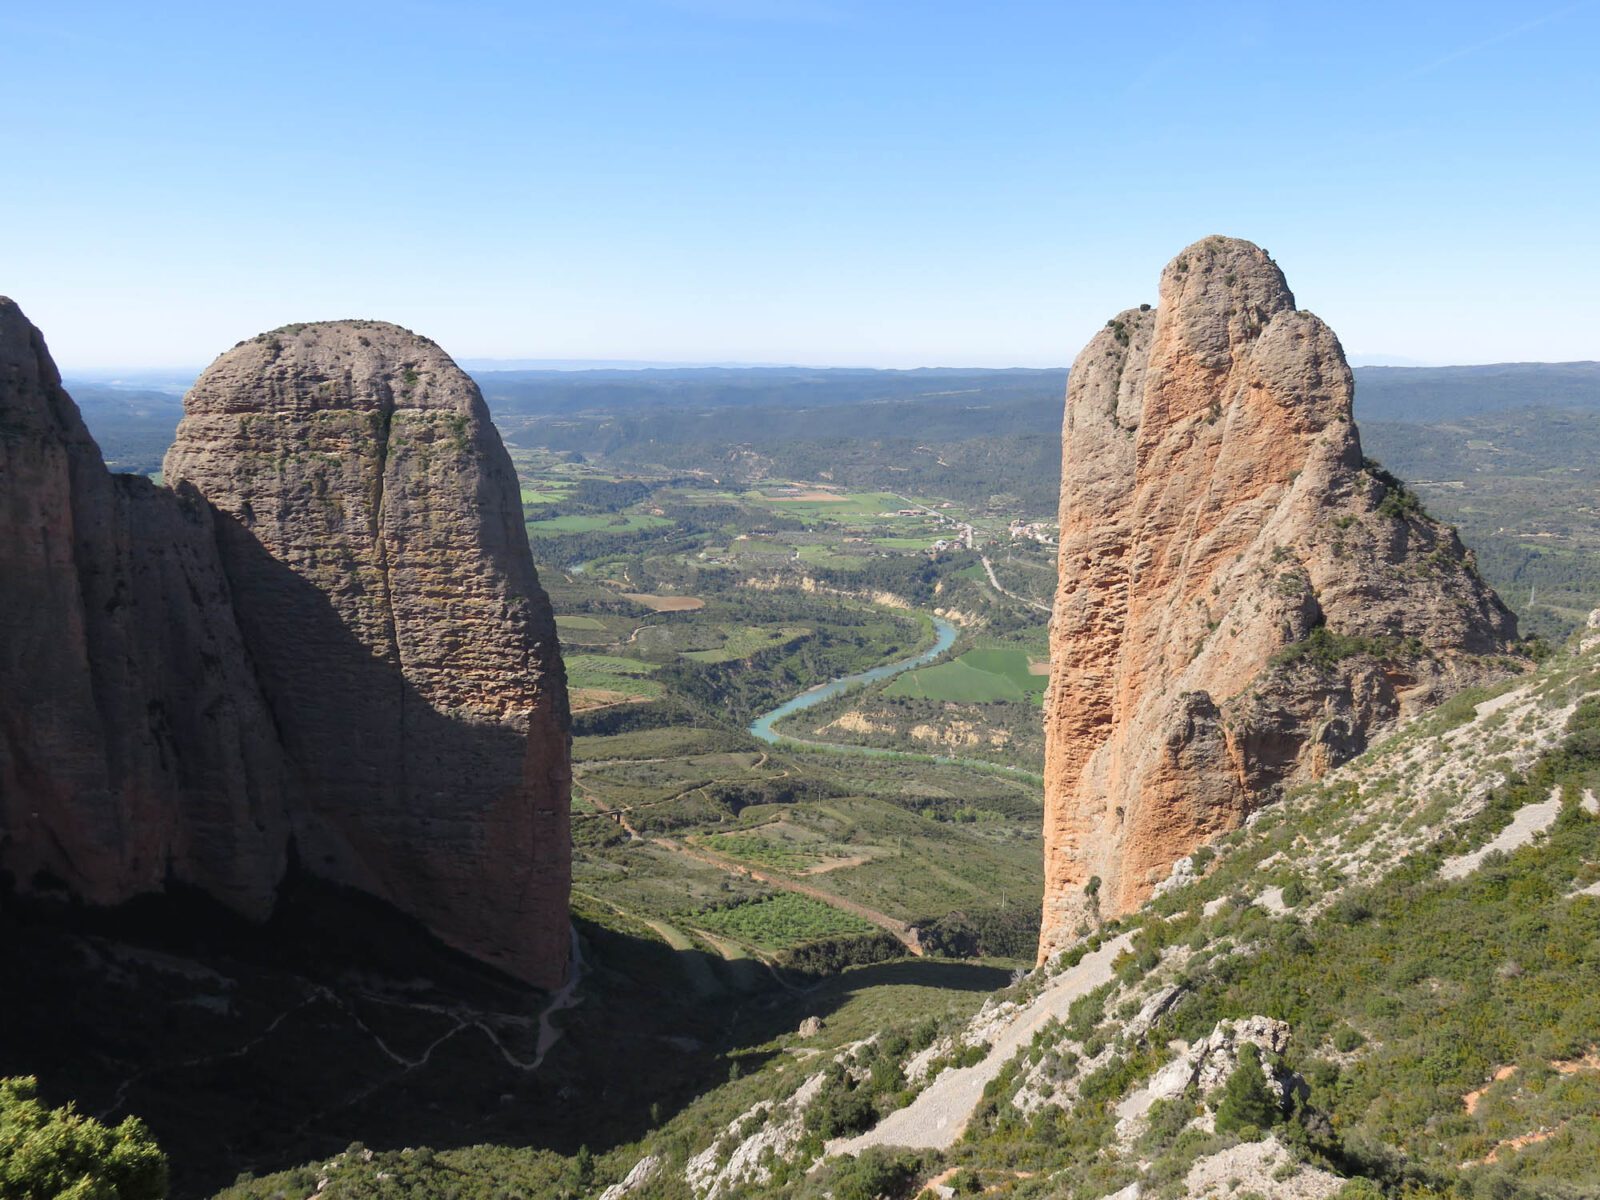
762	726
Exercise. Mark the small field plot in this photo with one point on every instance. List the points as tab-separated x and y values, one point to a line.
595	523
665	603
625	677
778	853
745	640
587	631
977	677
781	921
748	546
789	846
833	506
544	491
824	555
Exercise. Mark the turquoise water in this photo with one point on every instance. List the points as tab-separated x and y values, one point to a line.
761	727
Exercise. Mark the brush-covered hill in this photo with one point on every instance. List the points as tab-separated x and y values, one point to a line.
1384	985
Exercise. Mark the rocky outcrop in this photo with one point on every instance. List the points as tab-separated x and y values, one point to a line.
372	531
135	747
1244	601
324	642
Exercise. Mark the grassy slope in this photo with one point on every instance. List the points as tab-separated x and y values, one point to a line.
1404	991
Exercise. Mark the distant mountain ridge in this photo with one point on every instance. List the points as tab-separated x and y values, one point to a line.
135	424
1428	394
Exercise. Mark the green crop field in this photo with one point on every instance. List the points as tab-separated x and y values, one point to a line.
780	853
823	555
977	677
1010	662
599	522
607	673
586	631
848	504
545	491
745	640
781	921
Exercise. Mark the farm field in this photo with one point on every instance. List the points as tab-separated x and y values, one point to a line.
682	615
783	920
976	677
591	523
780	854
833	506
744	640
665	603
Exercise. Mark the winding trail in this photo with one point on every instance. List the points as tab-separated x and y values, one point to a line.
462	1020
566	998
1005	591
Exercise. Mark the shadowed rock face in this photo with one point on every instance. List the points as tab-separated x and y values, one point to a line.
325	640
371	528
1216	511
135	746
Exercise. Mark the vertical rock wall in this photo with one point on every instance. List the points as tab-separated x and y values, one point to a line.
371	527
1243	601
324	639
134	745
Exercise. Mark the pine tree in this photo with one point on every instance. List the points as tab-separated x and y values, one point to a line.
1246	1101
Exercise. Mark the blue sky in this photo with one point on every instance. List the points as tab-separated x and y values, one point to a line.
804	181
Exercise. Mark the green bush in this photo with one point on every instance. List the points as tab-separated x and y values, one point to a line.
1247	1103
841	1111
47	1152
1323	648
1347	1039
874	1174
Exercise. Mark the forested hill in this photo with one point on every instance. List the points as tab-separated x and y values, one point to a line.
790	389
1426	395
622	411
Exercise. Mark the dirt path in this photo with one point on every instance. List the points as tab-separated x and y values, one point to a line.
1005	591
567	997
901	931
838	864
939	1116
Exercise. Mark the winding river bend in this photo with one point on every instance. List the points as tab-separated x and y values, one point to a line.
762	726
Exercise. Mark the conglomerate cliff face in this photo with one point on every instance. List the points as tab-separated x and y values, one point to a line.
135	746
371	529
1243	602
323	642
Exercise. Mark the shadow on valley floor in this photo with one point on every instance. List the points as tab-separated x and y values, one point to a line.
256	1048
